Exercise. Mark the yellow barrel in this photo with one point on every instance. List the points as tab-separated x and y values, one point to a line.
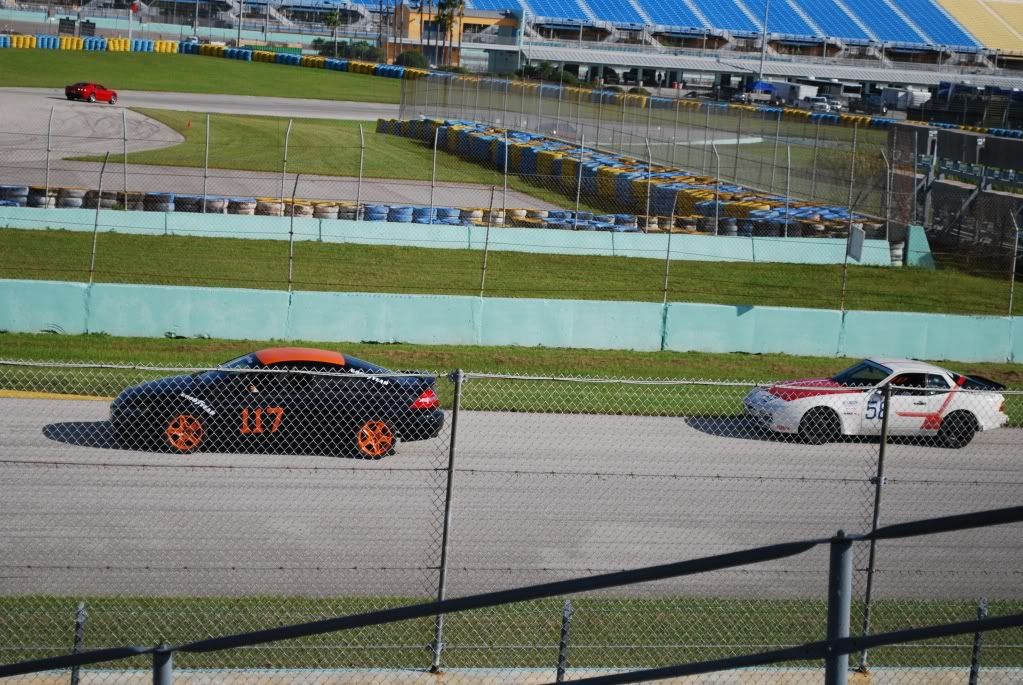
545	162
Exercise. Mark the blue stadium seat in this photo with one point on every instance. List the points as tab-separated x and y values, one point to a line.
561	9
885	23
725	14
936	24
831	19
781	18
671	13
615	11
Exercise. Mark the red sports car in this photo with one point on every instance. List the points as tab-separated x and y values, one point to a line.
91	92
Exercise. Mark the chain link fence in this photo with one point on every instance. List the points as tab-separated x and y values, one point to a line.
170	504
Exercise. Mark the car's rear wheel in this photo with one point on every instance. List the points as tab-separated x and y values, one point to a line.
374	439
957	429
113	99
820	426
184	433
92	97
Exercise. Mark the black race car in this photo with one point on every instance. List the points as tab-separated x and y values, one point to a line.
281	399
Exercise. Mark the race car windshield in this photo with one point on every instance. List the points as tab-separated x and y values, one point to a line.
360	366
864	374
248	361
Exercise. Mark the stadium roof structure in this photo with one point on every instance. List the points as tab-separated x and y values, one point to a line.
775	68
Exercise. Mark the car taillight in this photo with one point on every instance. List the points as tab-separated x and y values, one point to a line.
1001	409
426	400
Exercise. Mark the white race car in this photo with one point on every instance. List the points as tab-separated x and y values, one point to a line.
926	400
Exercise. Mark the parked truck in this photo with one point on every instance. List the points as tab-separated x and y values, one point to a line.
786	93
904	98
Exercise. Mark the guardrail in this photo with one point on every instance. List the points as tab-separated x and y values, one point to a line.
834	650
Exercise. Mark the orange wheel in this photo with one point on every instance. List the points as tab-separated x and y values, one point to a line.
184	433
374	439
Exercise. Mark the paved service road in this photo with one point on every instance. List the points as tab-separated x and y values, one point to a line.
81	128
536	497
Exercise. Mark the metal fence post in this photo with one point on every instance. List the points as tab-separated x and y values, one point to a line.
80	617
49	129
1015	258
788	185
738	138
836	666
95	224
717	187
649	171
978	642
813	172
163	665
291	234
433	174
124	151
362	161
206	164
774	155
852	181
504	197
539	108
566	627
879	482
438	633
667	256
486	241
284	162
579	183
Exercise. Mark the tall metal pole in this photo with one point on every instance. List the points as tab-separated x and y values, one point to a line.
848	237
879	482
362	162
788	185
1015	258
284	162
836	666
206	164
81	615
738	138
579	182
95	224
649	170
438	633
566	629
667	252
504	197
486	242
763	42
49	129
433	175
124	153
717	187
813	172
774	157
978	642
291	235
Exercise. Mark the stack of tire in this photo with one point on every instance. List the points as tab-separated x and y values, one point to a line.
5	41
41	197
18	195
215	205
158	202
106	200
70	198
47	42
188	203
245	206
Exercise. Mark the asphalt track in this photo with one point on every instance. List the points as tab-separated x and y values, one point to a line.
536	497
81	128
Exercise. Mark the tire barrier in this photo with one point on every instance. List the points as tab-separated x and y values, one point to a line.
41	197
118	45
679	200
70	198
188	203
47	42
165	46
245	206
14	193
71	43
5	41
22	42
141	45
158	202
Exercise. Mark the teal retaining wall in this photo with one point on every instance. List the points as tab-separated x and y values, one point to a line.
157	311
534	240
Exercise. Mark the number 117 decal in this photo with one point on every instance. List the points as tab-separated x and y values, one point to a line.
252	420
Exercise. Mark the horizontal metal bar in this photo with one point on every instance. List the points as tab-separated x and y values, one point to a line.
809	651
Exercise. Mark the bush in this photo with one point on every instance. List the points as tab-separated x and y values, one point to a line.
636	90
613	89
359	50
453	68
413	59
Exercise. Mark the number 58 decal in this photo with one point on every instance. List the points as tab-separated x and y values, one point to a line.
875	407
252	420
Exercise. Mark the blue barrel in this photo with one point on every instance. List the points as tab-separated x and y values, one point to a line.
424	215
444	213
5	41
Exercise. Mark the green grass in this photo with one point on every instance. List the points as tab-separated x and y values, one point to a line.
607	632
189	74
319	146
226	262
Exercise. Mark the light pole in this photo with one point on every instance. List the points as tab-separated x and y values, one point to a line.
763	41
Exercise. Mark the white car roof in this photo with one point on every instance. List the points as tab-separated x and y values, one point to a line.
907	365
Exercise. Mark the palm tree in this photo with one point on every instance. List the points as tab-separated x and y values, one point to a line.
333	21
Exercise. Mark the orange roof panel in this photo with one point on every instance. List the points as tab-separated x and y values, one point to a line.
284	355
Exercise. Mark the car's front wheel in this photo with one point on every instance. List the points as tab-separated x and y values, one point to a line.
92	97
819	426
957	430
113	99
183	433
374	439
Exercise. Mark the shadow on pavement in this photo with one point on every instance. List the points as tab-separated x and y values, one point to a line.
736	427
84	434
